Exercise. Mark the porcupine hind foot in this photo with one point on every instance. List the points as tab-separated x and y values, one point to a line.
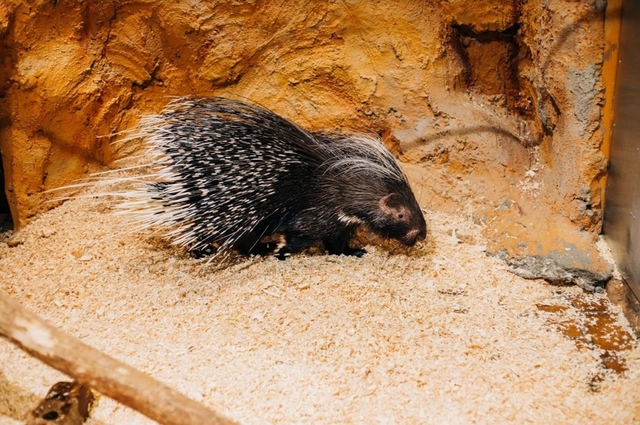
256	246
206	251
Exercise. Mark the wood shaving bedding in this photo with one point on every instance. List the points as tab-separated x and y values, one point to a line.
437	334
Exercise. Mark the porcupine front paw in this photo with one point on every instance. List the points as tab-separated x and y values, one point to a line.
359	252
338	244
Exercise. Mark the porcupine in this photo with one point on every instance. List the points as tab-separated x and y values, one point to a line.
232	175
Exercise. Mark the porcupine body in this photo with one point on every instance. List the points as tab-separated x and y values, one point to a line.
231	174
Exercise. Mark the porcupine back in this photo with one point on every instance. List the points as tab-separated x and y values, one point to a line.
230	173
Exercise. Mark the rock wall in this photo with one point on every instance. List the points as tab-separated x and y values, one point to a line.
494	106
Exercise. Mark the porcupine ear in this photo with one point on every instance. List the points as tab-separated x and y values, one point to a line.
391	205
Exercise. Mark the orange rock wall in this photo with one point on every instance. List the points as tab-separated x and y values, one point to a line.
494	105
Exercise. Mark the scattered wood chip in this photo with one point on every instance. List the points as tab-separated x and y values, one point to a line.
66	403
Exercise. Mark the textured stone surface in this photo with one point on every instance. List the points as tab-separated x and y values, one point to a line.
495	106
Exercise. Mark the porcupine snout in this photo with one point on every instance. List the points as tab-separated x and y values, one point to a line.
415	235
417	231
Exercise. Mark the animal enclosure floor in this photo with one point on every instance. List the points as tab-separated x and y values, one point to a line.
437	334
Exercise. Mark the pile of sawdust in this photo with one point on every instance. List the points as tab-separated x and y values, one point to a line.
437	334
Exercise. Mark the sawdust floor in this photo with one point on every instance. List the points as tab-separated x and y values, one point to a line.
438	334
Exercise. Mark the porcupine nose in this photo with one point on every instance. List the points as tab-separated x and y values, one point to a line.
414	236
